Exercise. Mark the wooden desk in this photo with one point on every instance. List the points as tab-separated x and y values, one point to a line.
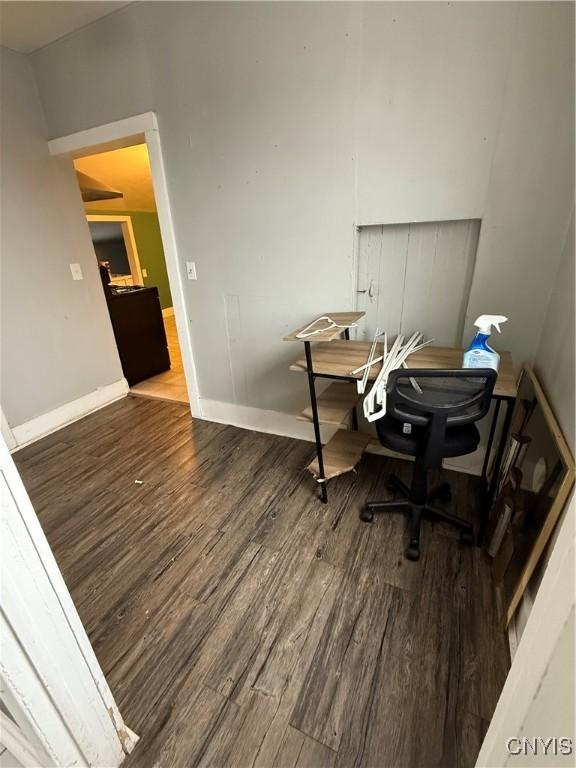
328	355
337	359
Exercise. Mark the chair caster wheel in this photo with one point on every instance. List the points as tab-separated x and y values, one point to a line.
367	516
413	553
467	537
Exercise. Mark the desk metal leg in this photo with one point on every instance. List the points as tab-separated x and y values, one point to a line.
493	426
314	404
354	419
354	414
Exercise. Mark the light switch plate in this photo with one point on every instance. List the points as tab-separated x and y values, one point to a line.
144	273
191	270
76	270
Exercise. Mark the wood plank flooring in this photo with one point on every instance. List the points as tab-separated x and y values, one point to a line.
240	622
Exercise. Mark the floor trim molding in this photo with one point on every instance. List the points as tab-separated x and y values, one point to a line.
258	420
43	425
287	425
7	433
242	416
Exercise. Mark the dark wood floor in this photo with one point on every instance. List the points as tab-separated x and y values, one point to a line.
240	622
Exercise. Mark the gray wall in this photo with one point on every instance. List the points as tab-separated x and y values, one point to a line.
556	357
555	363
284	125
57	341
555	366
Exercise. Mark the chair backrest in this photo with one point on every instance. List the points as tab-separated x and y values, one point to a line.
439	399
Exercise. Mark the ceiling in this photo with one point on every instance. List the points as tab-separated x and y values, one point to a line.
26	26
128	171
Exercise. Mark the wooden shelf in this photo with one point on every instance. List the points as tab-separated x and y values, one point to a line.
340	358
341	453
342	318
334	404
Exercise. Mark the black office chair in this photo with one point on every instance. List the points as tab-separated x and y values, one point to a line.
430	415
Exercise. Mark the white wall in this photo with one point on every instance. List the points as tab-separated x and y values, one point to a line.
57	341
286	124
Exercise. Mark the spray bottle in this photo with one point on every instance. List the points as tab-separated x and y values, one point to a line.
479	354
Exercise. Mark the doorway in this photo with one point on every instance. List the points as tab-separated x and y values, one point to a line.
127	132
114	241
120	206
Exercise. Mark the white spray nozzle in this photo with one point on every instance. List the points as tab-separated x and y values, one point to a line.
485	323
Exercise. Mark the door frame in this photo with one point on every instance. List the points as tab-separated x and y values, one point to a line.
50	679
552	609
129	241
141	129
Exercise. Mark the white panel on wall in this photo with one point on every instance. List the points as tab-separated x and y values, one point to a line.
417	277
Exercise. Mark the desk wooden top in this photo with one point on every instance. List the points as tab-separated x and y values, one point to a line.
341	318
340	358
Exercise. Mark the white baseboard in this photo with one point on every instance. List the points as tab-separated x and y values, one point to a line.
260	420
168	312
243	416
33	430
287	425
7	433
470	464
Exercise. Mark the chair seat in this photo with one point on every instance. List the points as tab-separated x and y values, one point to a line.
458	440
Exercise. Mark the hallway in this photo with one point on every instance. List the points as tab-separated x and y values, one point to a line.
170	385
